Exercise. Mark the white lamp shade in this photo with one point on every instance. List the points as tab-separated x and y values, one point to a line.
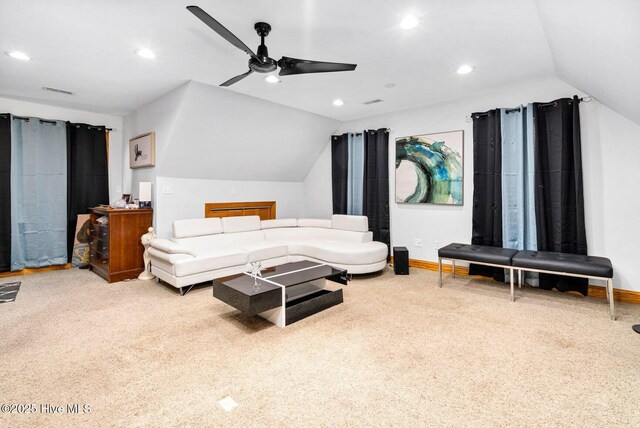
145	191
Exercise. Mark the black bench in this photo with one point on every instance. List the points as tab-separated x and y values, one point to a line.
582	266
479	254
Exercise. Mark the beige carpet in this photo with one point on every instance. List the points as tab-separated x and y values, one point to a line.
398	352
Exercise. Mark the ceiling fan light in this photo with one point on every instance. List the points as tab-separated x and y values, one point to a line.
272	79
19	55
338	102
146	53
409	22
465	69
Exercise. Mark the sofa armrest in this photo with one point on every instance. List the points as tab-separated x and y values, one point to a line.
169	247
167	257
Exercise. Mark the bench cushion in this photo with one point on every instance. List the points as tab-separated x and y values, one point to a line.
478	253
568	263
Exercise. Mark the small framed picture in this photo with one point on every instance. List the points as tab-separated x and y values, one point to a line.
127	198
142	150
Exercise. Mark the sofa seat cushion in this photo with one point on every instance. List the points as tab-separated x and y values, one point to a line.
263	250
562	262
340	252
210	260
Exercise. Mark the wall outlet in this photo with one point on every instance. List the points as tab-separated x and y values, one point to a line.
417	242
119	190
166	189
436	244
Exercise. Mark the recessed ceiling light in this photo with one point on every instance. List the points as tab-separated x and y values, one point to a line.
465	69
338	102
272	79
146	53
19	55
409	22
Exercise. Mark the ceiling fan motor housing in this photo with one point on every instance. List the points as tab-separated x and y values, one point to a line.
266	64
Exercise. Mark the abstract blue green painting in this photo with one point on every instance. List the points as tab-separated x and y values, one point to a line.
429	168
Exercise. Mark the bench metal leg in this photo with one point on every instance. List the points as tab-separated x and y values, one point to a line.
513	297
440	271
453	268
612	310
519	278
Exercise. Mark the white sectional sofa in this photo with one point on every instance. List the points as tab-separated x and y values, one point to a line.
206	248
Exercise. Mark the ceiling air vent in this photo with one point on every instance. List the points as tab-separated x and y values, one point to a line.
368	103
59	91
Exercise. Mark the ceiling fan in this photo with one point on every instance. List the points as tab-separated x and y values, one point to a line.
262	63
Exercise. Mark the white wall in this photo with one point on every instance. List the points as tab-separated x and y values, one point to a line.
159	116
224	146
224	135
610	147
44	111
317	187
188	196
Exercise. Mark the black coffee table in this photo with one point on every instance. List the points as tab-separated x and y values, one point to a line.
286	293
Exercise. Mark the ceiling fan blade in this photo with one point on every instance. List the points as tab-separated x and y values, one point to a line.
301	66
236	79
221	30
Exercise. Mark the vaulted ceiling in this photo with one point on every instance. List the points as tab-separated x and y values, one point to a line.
88	47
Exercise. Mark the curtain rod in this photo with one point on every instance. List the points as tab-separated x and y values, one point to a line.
360	133
26	119
585	99
53	122
96	127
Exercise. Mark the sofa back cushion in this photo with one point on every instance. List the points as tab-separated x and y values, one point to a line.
290	234
314	222
240	224
279	222
196	227
202	244
356	223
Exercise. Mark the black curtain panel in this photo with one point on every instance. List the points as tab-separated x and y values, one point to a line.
87	173
376	184
339	172
559	197
487	187
5	192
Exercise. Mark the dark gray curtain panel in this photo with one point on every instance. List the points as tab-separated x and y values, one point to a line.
487	187
87	173
340	172
5	192
559	194
376	184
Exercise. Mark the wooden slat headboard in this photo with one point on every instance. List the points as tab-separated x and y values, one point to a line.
265	209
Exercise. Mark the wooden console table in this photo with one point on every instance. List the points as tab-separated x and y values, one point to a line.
116	250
